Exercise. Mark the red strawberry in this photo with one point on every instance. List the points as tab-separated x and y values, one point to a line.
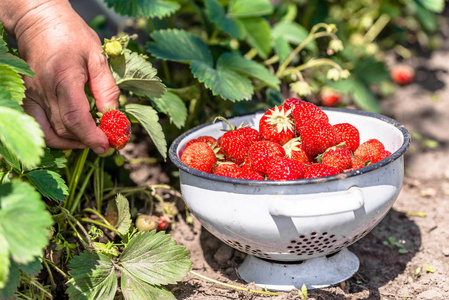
304	112
276	125
204	138
228	170
402	74
317	135
295	151
290	103
251	176
199	156
329	97
356	163
348	134
319	170
283	168
387	153
116	127
338	157
163	223
370	151
236	143
260	152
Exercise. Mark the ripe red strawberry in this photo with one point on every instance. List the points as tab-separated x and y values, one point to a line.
262	151
370	151
251	176
228	169
329	97
283	168
402	74
276	125
163	222
319	170
338	157
356	163
199	156
317	135
116	127
290	103
387	153
304	112
236	143
204	138
348	134
295	151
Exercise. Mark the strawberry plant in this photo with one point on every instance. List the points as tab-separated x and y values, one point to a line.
48	225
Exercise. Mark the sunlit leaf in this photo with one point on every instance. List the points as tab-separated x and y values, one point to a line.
12	82
17	64
292	33
258	35
146	8
123	214
218	15
179	45
173	106
24	220
93	277
135	289
148	118
154	258
50	184
436	6
250	8
133	73
4	262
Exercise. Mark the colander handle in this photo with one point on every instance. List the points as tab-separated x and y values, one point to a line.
318	203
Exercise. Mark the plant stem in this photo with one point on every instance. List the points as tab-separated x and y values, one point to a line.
101	224
46	261
236	287
50	274
83	186
99	184
75	176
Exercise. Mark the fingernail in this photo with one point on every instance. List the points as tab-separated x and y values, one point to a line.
99	150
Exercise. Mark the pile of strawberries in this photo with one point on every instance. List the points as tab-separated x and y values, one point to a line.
294	141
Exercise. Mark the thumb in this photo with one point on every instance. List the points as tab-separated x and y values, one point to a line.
102	85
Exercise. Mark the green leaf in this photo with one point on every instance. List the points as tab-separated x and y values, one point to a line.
427	18
179	45
155	259
10	158
12	282
225	82
6	100
282	48
133	73
436	6
173	106
250	8
24	221
135	289
33	268
292	33
50	184
4	262
22	136
364	97
146	8
258	35
93	277
123	214
149	120
248	67
12	82
217	14
17	64
371	71
53	160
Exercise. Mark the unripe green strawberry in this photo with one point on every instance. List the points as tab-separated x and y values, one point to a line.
147	222
199	156
113	48
117	128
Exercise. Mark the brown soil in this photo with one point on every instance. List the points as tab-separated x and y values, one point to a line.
419	218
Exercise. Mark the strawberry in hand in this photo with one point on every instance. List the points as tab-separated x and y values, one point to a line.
116	127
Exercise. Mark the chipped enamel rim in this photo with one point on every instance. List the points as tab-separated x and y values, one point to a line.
394	156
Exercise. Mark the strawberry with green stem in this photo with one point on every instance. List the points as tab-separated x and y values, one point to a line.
370	151
337	156
295	151
277	125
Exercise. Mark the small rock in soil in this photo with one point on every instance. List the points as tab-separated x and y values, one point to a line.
223	254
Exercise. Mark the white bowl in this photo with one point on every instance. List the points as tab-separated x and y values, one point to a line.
297	220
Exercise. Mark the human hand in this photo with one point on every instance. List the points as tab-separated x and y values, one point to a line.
65	53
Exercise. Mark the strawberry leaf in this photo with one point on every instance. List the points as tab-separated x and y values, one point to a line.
148	118
218	15
225	82
24	221
258	35
146	8
154	258
21	136
93	277
250	8
12	282
292	33
133	73
170	104
179	45
17	64
436	6
12	82
248	67
50	184
135	289
4	262
123	214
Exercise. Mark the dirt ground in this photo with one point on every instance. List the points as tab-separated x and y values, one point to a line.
419	220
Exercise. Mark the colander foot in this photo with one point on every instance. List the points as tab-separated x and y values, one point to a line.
315	273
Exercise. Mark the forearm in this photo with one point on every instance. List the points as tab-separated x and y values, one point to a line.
18	16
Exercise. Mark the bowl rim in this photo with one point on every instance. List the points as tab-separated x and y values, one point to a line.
394	156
